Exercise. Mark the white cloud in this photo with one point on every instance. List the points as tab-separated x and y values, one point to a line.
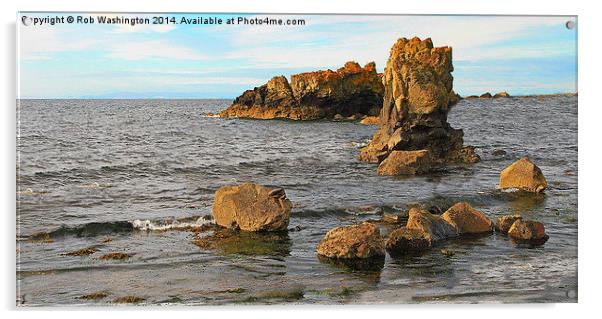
152	49
38	43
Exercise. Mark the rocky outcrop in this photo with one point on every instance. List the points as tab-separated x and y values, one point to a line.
523	175
405	163
503	223
531	231
251	207
370	120
350	242
418	88
486	95
467	220
433	226
501	95
349	91
405	239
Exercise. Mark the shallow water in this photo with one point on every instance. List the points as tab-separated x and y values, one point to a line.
121	175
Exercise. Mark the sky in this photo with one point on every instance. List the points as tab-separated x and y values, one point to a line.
518	54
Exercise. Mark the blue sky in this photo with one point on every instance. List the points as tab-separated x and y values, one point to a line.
521	55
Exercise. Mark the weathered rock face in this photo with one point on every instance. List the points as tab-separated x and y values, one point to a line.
405	163
350	91
503	223
523	175
404	240
355	241
418	92
527	231
433	226
251	207
467	220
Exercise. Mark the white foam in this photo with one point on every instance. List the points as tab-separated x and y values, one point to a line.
149	225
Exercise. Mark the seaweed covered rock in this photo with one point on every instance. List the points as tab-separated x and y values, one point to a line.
467	220
417	95
405	239
433	226
355	241
529	231
349	91
251	207
405	163
524	175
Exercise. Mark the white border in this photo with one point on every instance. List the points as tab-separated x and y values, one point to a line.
589	145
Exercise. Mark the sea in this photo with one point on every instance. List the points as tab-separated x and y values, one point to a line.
134	176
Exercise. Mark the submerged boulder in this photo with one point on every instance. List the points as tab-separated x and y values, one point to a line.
467	220
417	95
405	239
433	226
349	91
355	241
251	207
503	223
405	163
522	230
523	175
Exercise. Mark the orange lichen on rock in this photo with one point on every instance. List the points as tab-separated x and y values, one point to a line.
351	90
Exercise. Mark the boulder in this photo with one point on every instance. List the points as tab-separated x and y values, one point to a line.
486	96
405	163
251	207
433	226
370	120
501	94
467	220
405	239
522	230
355	241
503	223
417	95
523	175
313	95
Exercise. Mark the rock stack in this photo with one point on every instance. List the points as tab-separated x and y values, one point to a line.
417	95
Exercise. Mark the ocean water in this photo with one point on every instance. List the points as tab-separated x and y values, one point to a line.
126	175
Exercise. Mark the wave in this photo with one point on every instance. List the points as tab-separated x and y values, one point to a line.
150	225
107	228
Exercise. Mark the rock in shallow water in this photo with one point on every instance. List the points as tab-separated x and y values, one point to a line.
433	226
524	175
467	220
528	231
251	207
503	223
404	240
405	163
355	241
